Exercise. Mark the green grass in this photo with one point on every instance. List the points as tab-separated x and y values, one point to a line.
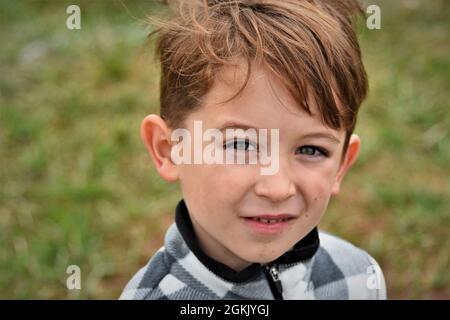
77	186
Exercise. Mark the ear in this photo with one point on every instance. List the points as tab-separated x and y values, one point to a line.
156	136
350	157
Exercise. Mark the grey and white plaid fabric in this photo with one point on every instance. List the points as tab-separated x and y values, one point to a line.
338	270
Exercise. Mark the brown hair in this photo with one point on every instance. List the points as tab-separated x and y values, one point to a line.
309	44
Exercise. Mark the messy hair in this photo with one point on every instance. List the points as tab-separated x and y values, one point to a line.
310	45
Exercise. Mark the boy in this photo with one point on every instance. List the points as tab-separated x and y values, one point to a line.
289	68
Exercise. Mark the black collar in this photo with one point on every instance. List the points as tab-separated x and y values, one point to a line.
303	250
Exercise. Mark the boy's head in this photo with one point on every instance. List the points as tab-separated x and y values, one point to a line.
290	65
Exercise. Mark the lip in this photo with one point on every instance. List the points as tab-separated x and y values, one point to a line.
276	224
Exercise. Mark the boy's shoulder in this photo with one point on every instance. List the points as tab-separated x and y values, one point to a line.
339	263
165	273
338	270
342	252
146	279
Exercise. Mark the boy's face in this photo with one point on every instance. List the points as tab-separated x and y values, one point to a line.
224	200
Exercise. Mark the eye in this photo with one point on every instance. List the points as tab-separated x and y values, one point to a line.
312	151
240	145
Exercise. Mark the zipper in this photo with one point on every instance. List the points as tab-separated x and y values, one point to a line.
273	276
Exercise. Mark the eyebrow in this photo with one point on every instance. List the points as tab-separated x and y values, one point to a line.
322	135
236	125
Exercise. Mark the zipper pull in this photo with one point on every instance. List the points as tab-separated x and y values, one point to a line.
274	273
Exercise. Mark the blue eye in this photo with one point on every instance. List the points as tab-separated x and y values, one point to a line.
240	145
311	151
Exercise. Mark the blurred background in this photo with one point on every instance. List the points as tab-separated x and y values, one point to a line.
77	186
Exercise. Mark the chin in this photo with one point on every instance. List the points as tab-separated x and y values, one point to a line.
262	258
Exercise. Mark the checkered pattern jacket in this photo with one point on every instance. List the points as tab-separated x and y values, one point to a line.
320	266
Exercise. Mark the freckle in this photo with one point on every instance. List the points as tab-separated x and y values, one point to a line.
315	198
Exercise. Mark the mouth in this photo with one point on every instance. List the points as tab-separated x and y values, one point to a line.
270	220
269	224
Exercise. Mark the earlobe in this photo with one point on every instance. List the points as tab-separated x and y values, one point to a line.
156	136
353	148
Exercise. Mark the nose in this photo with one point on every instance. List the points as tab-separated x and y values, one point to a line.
277	187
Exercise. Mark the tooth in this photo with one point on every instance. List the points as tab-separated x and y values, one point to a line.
269	221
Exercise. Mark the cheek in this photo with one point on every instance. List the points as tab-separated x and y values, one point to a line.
215	187
316	184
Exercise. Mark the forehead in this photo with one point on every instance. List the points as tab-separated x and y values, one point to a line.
265	101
